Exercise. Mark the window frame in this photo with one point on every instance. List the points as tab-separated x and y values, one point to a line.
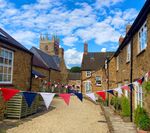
128	53
90	87
97	84
138	96
117	64
7	66
88	73
140	33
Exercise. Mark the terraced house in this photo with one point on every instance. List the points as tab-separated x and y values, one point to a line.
132	58
92	70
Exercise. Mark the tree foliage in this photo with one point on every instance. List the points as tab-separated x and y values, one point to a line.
75	69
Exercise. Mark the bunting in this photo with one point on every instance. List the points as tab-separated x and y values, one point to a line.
140	81
29	97
66	97
126	87
79	95
110	91
8	93
119	90
131	86
91	96
102	94
47	97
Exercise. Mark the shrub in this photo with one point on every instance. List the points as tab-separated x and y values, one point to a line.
125	105
116	102
146	86
141	118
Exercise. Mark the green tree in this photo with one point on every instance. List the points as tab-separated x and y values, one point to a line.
75	69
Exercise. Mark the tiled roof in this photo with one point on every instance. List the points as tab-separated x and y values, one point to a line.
74	76
6	38
46	59
94	60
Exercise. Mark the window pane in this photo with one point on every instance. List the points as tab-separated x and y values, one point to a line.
5	77
6	61
9	70
1	77
5	70
6	54
1	60
10	62
9	77
1	69
10	55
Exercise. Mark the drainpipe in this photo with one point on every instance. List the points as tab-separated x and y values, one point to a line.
131	79
108	80
30	87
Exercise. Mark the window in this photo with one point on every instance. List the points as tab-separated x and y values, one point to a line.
138	96
128	52
88	73
6	65
126	92
117	63
98	81
142	38
87	86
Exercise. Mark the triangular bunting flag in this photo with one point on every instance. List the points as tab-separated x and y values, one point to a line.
131	86
146	77
140	81
110	91
55	85
47	97
8	93
92	96
126	88
79	95
29	96
119	90
66	97
135	83
102	94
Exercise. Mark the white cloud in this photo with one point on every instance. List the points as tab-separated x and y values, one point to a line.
73	57
70	41
106	3
25	37
103	50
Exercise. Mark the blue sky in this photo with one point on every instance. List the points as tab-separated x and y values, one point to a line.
99	22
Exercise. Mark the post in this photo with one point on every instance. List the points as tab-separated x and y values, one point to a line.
108	81
131	77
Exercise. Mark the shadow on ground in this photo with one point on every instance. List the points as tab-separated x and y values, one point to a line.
11	123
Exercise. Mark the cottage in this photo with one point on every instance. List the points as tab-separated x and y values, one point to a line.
43	65
15	64
91	70
74	79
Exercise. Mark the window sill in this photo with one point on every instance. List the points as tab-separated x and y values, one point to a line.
7	84
140	52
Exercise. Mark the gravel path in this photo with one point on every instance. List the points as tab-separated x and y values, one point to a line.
78	117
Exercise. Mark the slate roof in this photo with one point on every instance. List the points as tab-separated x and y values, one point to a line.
94	60
74	76
47	60
6	38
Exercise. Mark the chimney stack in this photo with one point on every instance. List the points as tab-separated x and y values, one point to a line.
121	38
128	28
85	48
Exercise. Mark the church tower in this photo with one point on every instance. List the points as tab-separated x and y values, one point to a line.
49	46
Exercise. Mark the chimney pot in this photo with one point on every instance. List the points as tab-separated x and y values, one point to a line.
121	39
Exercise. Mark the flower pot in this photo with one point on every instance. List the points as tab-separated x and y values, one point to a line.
142	131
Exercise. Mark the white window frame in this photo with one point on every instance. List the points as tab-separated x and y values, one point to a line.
138	96
117	58
88	73
126	92
6	65
89	89
98	84
142	32
119	86
128	52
